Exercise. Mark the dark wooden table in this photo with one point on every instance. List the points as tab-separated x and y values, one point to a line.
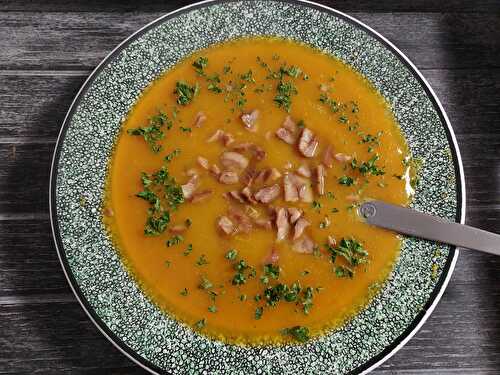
49	47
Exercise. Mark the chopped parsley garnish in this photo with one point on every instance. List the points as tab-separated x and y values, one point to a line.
240	103
299	333
272	271
325	223
248	77
159	217
346	180
239	279
175	240
332	104
213	294
188	250
283	98
274	294
212	308
304	273
172	155
373	140
184	292
213	84
307	300
168	263
188	222
205	284
232	254
202	260
153	132
243	270
291	71
316	205
174	195
241	266
150	197
343	119
200	323
185	92
293	293
330	195
415	165
258	312
334	210
155	225
349	249
343	271
185	129
352	127
243	297
200	64
369	167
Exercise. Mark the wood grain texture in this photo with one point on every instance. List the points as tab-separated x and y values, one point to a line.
47	50
29	40
484	6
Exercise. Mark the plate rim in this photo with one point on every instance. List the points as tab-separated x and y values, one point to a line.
449	266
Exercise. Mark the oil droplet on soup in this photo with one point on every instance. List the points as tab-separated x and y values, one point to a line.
234	185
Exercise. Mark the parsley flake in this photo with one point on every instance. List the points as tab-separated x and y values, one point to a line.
346	180
232	254
175	240
299	333
185	92
202	260
200	324
200	64
258	312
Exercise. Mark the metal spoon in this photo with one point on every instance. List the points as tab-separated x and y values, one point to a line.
417	224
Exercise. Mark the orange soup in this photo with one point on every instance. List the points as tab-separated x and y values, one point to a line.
234	184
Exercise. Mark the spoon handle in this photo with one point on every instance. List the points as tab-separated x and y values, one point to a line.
418	224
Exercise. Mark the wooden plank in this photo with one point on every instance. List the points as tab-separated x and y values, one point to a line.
30	40
24	177
28	260
470	98
34	104
55	338
482	175
163	6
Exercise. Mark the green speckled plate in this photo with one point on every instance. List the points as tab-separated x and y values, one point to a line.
109	295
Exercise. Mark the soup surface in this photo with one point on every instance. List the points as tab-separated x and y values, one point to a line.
233	189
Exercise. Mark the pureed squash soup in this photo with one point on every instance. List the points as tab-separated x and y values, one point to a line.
233	189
